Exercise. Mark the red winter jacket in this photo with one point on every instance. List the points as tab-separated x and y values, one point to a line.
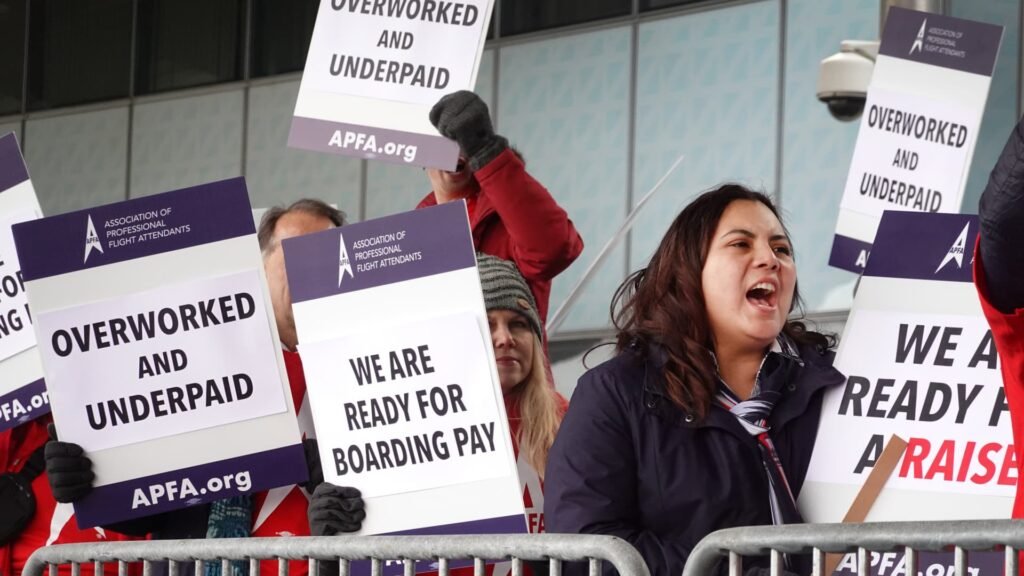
517	219
1008	334
53	523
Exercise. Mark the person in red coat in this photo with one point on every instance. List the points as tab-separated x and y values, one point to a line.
999	277
513	217
52	523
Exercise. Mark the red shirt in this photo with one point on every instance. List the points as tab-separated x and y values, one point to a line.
281	512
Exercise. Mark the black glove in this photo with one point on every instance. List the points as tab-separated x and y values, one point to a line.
335	509
69	471
313	467
462	116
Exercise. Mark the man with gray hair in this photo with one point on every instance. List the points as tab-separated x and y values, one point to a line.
301	217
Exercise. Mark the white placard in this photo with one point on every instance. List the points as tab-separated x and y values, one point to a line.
911	154
16	333
919	128
933	380
407	411
359	50
166	361
374	70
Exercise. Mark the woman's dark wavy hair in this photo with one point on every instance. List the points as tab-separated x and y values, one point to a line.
663	304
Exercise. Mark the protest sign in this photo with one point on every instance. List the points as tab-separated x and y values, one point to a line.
375	69
23	394
920	124
401	375
160	350
921	364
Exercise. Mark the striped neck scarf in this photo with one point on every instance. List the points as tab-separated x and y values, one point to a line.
753	414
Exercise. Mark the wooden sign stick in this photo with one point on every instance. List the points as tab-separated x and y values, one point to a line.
869	492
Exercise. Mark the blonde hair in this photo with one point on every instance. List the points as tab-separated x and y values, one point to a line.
539	411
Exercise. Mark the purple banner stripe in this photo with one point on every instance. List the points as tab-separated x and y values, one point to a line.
940	40
12	165
505	525
515	524
264	470
924	246
846	252
372	143
17	407
392	249
892	563
134	229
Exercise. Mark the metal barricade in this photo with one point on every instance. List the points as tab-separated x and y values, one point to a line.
553	548
961	537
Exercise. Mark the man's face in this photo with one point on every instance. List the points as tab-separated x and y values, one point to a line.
290	225
450	185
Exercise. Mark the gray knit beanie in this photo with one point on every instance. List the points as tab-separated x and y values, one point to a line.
505	289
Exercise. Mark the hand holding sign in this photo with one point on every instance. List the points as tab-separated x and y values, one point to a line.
335	510
463	117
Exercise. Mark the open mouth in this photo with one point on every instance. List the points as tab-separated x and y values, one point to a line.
763	295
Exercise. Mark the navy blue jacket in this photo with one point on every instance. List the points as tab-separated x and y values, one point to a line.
629	463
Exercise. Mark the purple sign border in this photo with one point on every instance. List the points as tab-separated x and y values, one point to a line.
439	234
12	164
915	246
57	244
23	395
903	39
845	251
432	150
113	502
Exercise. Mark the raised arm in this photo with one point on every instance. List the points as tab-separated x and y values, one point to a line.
545	242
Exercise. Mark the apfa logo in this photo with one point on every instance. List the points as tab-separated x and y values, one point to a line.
92	240
956	251
919	42
344	265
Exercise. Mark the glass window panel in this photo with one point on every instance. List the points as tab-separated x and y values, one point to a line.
521	16
564	102
280	35
79	51
184	43
817	148
181	142
78	160
12	54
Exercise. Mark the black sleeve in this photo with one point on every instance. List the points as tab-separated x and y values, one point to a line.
183	524
1001	214
590	484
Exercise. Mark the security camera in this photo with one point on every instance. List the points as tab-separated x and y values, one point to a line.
844	77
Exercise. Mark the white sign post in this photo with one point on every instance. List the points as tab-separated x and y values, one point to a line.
401	374
920	124
375	69
160	350
920	364
23	394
